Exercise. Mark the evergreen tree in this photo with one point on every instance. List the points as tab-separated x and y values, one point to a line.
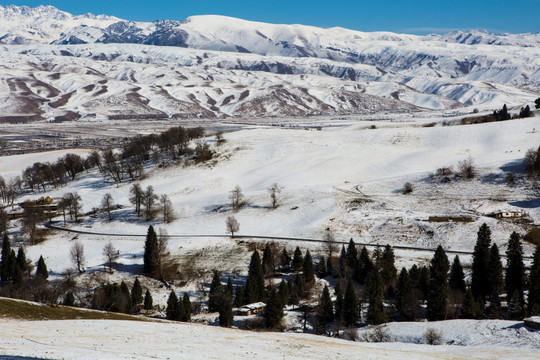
285	260
21	259
515	270
438	285
533	300
13	265
321	268
148	301
299	285
17	276
387	268
479	277
5	272
364	266
375	315
239	296
255	290
216	292
350	305
325	311
172	312
69	299
468	308
283	291
151	253
274	311
41	271
297	261
457	277
126	304
136	293
352	255
495	273
186	308
225	312
515	306
268	261
309	271
423	283
404	301
229	288
343	270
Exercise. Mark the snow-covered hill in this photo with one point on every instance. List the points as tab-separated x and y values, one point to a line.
207	66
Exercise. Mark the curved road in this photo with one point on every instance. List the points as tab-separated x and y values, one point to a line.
278	238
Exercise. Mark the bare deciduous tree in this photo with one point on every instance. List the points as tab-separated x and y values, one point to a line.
236	198
274	190
111	255
77	256
163	252
408	188
149	201
166	209
136	198
330	247
107	204
72	202
232	225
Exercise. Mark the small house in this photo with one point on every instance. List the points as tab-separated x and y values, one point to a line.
508	214
251	309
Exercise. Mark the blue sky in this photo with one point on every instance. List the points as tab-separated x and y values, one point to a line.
404	16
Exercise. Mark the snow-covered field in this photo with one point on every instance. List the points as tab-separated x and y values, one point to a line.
98	339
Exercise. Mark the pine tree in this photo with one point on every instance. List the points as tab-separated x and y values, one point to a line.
404	301
495	272
352	255
325	311
229	288
17	276
300	285
225	312
127	305
533	300
41	271
343	270
151	253
364	266
468	308
239	296
136	293
21	259
148	301
350	305
297	261
268	261
172	312
186	308
339	305
309	271
283	292
285	260
375	315
216	292
13	265
515	306
457	277
255	290
274	311
321	268
438	285
515	270
387	268
479	277
5	273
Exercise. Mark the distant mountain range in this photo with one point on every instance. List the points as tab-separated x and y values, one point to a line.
59	66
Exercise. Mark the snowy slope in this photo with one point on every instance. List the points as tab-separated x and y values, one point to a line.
92	339
233	65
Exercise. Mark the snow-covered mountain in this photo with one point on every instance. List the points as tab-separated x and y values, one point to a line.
67	66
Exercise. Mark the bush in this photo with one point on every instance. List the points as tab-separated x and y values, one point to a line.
408	188
378	333
433	336
466	169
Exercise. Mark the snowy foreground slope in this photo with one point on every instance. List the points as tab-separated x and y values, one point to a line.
86	339
58	66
